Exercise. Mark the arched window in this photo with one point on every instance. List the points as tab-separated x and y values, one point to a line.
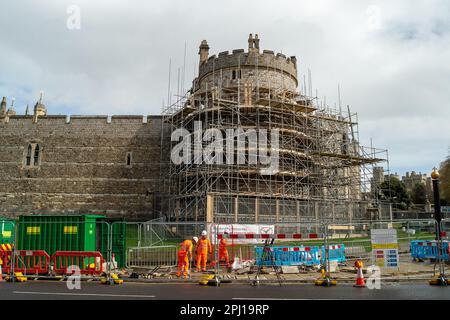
28	159
36	155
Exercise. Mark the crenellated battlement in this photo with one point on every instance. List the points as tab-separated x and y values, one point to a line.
238	58
82	119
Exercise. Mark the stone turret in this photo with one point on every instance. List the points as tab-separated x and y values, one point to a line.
3	107
259	69
11	111
39	109
253	43
203	51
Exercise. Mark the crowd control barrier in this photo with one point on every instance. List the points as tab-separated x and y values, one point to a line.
287	255
26	261
336	252
428	249
88	262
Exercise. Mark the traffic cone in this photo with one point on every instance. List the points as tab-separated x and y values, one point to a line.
360	283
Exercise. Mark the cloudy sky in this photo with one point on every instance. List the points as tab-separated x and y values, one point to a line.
390	58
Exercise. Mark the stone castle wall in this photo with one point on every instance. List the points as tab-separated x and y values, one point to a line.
82	165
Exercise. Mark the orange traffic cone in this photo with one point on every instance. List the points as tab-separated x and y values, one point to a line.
360	283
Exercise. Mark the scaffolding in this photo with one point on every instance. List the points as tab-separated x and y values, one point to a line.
323	172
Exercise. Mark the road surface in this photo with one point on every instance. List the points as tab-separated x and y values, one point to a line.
55	290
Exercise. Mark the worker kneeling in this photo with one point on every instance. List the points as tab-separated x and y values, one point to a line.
203	248
184	256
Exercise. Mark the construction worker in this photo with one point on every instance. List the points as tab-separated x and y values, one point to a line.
203	248
223	252
184	256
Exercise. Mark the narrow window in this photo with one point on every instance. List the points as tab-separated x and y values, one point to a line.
36	155
239	74
28	160
233	75
129	159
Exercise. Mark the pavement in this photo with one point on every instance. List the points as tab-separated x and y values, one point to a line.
408	271
57	290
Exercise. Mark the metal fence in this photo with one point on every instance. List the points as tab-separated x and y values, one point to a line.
152	257
155	243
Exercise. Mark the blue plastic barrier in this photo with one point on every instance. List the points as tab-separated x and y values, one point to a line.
288	255
427	249
336	252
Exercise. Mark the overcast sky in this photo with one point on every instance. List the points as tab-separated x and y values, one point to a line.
390	58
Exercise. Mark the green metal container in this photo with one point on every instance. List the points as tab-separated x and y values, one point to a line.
72	233
6	230
58	232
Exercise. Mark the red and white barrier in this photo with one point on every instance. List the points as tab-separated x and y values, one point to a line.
268	236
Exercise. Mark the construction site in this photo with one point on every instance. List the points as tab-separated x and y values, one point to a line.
323	174
249	175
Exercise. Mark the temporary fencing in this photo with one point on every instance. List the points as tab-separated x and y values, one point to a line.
428	249
287	256
336	253
88	262
155	244
151	257
26	261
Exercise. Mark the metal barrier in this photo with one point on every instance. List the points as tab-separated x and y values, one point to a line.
336	252
89	262
288	255
26	261
150	257
428	249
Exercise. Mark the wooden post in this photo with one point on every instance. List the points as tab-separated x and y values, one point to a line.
177	210
316	213
256	210
196	210
236	208
209	208
277	214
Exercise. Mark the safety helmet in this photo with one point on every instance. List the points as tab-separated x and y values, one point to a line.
204	233
195	239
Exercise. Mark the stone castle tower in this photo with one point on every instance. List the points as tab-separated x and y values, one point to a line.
256	90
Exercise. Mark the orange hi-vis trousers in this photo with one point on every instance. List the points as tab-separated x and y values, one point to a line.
223	252
184	253
183	264
204	246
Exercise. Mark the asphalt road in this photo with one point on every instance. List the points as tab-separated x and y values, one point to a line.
55	290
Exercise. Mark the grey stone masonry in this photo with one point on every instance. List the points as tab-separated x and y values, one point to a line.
81	165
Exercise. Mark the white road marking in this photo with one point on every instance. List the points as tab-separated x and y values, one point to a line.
84	294
287	299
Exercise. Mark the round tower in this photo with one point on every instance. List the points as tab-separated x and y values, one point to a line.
261	70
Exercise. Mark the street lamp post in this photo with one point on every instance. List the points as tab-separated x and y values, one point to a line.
440	280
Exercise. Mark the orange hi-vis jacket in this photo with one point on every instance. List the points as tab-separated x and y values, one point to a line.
204	246
185	247
223	245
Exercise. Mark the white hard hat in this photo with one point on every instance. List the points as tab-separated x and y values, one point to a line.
204	233
195	239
